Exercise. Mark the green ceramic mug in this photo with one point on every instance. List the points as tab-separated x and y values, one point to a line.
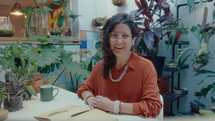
46	92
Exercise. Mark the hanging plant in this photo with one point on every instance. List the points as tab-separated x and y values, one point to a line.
99	21
63	16
203	33
119	3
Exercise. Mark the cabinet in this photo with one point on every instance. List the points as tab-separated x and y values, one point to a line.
175	94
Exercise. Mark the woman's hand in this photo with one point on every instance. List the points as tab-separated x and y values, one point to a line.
103	103
89	101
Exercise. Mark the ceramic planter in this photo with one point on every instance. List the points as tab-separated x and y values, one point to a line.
13	103
177	35
158	63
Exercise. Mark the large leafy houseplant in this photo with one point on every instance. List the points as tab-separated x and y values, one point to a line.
150	18
52	55
21	61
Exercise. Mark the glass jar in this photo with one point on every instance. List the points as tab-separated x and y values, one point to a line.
6	28
43	21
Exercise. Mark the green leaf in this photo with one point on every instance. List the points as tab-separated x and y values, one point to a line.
90	66
73	16
202	71
196	32
191	5
47	55
181	53
201	81
71	66
67	11
55	3
61	21
31	90
204	91
27	10
210	76
206	112
212	94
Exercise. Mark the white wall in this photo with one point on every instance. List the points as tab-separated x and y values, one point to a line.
90	9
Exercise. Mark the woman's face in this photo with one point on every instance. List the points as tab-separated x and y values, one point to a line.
121	40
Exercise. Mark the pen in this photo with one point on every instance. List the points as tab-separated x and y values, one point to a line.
76	114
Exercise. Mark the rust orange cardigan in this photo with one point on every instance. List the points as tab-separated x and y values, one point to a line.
138	86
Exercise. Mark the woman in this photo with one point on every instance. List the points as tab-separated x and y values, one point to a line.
122	82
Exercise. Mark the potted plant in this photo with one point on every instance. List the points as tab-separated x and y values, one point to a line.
179	62
119	3
62	18
150	18
174	29
99	21
203	33
22	61
37	81
18	72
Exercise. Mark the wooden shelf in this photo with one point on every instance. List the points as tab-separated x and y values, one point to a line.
175	69
179	42
15	40
174	96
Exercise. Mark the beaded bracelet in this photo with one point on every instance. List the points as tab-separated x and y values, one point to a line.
88	96
116	106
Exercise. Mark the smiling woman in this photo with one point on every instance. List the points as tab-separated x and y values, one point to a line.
122	82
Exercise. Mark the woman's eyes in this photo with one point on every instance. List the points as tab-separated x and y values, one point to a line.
124	36
114	35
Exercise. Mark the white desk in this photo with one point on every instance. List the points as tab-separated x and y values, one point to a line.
35	107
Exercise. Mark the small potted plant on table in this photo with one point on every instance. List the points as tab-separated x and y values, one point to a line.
19	71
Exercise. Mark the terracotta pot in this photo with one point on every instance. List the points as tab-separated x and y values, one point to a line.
177	36
118	3
97	22
37	84
158	63
37	76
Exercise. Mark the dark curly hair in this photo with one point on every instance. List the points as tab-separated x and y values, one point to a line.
108	56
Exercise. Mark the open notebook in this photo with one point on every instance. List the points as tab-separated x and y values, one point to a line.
67	114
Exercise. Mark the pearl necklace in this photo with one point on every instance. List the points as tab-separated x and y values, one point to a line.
120	77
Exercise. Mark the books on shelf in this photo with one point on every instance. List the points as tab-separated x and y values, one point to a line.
75	113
